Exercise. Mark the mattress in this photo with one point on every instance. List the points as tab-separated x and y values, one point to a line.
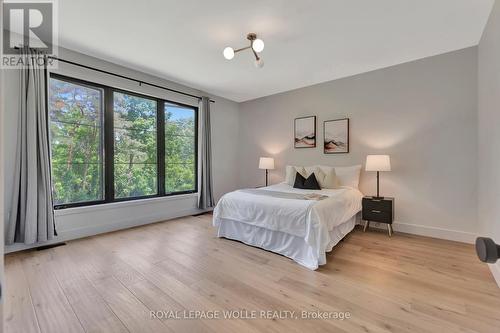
282	243
284	210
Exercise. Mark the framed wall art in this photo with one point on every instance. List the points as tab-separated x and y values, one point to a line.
336	136
305	132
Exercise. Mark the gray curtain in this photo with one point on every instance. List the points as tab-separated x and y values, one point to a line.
31	215
206	199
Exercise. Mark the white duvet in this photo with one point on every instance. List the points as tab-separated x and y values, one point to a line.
308	219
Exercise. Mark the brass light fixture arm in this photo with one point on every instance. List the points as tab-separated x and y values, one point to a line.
251	37
242	49
255	54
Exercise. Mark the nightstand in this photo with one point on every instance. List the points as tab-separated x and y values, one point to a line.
378	210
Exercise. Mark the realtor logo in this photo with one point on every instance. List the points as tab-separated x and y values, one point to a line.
28	24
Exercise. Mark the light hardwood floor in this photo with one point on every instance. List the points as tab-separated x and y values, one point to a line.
110	282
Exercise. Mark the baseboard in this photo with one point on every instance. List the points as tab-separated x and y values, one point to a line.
495	271
422	230
92	230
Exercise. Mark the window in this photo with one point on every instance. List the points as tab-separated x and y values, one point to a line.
76	119
180	144
135	146
111	145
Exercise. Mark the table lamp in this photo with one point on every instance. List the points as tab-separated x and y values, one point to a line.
378	163
266	163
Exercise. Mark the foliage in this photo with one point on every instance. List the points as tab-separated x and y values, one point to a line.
77	141
76	136
135	146
180	149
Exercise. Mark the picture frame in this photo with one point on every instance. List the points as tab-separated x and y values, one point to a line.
336	136
305	132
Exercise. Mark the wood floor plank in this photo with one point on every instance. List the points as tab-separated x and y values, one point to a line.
192	300
53	311
133	313
111	282
19	311
154	298
90	308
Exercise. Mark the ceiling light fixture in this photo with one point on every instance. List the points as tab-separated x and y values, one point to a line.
256	45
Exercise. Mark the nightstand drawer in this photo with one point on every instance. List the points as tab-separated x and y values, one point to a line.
377	215
377	204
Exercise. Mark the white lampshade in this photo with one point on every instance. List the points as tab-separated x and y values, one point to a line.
228	53
378	163
266	163
258	45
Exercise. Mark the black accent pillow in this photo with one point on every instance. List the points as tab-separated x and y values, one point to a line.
311	183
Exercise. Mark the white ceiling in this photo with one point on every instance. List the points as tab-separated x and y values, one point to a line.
306	41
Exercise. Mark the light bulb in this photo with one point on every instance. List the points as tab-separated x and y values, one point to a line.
258	45
228	53
259	63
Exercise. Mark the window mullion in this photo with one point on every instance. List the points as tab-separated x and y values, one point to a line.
160	116
109	146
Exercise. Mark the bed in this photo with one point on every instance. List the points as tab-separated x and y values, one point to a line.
300	224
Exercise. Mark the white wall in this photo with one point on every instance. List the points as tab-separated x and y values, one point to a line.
423	113
83	221
488	131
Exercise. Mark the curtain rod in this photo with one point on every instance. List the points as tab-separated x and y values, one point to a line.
123	77
126	77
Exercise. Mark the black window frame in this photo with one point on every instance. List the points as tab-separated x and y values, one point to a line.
108	135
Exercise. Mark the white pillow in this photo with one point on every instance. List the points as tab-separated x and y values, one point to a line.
291	172
326	177
308	170
348	176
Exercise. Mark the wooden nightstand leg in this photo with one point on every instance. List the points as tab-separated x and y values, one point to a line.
389	228
367	225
